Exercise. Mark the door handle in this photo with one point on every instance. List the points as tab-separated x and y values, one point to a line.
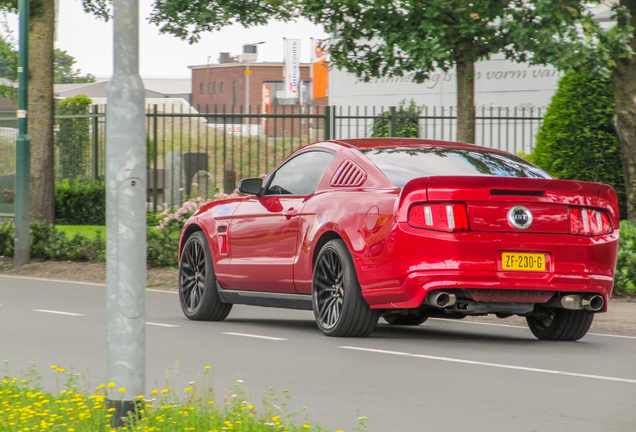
289	213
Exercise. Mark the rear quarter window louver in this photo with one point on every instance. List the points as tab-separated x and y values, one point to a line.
349	174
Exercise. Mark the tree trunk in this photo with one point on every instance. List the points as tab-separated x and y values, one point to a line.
466	101
41	111
624	81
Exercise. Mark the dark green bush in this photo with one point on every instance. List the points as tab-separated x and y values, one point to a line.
80	202
407	125
49	243
6	239
625	278
578	133
163	246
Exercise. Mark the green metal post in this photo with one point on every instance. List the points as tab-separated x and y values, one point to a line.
155	149
393	123
95	121
327	122
23	146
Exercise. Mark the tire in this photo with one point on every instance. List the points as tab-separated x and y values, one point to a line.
339	308
560	324
412	319
198	295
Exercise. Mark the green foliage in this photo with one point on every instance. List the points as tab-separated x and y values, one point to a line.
388	38
80	202
63	71
625	277
406	122
73	137
578	133
6	239
82	407
163	246
50	243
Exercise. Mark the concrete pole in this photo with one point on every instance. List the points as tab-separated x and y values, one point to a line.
125	217
22	253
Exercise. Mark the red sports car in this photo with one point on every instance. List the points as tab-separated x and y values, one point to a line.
405	229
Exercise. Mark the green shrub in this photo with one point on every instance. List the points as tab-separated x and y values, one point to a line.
578	132
163	246
625	278
73	137
80	202
6	239
407	125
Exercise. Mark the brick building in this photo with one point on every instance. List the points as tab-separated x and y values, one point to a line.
218	85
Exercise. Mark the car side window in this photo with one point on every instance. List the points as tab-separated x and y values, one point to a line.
301	175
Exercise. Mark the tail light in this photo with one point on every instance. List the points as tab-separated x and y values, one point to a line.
439	216
587	221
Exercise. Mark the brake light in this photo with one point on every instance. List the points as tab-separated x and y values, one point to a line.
587	221
442	216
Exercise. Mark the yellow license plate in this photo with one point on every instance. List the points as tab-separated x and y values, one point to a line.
523	261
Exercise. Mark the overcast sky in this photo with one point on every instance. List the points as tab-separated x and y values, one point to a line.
90	41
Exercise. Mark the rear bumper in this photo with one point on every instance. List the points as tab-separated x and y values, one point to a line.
417	285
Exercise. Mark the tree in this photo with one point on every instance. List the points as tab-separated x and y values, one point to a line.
624	82
407	121
64	73
577	139
41	100
394	37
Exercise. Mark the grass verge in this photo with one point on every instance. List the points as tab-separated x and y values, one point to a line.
88	231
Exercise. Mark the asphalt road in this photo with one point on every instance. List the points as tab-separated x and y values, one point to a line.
440	376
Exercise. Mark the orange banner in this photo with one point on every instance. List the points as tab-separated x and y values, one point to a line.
320	73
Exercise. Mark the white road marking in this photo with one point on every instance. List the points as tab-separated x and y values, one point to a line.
255	336
524	327
161	325
496	365
58	312
162	291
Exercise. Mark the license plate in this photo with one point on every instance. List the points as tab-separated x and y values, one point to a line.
523	261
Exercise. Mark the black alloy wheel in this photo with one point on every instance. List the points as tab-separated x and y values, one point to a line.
560	324
339	308
198	295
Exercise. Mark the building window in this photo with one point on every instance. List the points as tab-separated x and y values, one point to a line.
214	87
208	87
234	93
201	88
222	87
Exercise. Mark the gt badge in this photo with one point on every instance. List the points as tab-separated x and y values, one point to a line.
520	217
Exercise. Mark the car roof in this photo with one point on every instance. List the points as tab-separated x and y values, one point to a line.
371	143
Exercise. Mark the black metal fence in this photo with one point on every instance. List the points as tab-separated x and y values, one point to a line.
203	154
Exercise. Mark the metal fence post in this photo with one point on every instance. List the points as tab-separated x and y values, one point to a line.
155	150
326	122
125	220
22	252
95	123
393	122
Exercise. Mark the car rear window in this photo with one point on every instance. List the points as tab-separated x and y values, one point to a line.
403	164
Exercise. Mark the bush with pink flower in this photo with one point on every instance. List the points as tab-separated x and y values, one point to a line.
177	217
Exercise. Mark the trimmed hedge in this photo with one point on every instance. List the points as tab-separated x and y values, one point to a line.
47	242
80	202
578	132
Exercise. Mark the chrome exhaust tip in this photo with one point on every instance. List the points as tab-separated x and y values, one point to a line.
594	303
577	302
441	299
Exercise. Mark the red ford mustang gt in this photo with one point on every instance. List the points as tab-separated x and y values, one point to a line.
405	229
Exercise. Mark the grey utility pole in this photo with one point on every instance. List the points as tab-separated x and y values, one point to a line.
125	218
23	146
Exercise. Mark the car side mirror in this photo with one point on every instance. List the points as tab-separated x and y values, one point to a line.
251	186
